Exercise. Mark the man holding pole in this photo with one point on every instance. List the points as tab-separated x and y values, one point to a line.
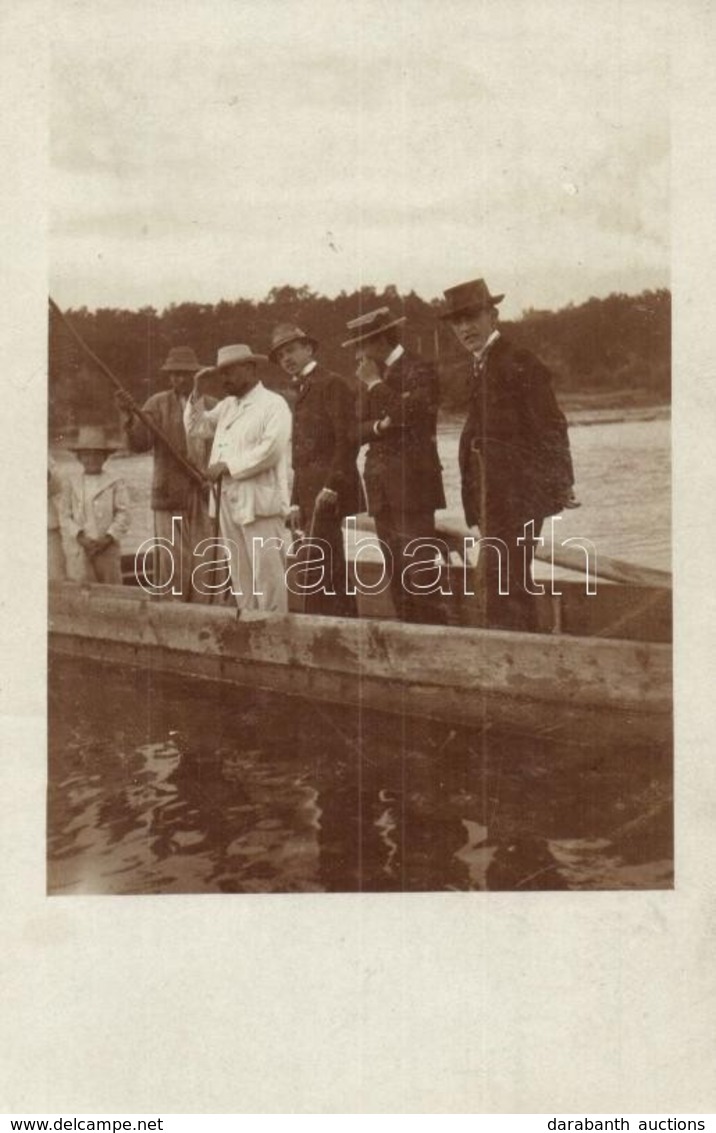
515	463
251	431
178	500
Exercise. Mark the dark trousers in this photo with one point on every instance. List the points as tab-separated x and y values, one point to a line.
517	608
326	529
396	530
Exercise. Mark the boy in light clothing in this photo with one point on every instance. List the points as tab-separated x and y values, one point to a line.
94	513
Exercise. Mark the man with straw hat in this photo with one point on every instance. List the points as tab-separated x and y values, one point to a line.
326	482
515	463
93	511
403	477
251	433
180	507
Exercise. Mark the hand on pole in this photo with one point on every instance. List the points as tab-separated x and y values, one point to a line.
125	405
326	499
215	471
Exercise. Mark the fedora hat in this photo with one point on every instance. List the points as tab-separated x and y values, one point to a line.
181	359
234	355
373	323
92	437
472	296
285	333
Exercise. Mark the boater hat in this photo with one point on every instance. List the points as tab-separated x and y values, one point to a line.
285	333
371	324
181	359
471	296
92	437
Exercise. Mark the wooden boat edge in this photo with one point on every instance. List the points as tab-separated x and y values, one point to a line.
467	675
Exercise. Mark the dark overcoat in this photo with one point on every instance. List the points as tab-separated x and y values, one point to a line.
172	487
402	468
325	443
514	449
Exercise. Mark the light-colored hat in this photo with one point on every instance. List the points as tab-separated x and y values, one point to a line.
285	333
231	355
472	296
181	359
372	324
93	437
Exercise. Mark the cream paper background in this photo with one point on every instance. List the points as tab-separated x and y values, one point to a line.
436	1003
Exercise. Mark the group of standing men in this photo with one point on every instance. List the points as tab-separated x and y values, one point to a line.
514	459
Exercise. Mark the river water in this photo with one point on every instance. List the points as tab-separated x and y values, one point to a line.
160	785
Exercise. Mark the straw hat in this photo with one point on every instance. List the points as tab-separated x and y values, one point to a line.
233	355
181	359
285	333
93	437
372	324
471	296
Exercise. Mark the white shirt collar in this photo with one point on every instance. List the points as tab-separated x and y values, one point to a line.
480	354
308	368
396	353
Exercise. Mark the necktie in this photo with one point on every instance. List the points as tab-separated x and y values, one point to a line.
478	364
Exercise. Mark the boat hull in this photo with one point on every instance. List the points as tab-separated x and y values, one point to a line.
575	687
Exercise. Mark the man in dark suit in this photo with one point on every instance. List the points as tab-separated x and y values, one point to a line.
403	475
515	463
326	483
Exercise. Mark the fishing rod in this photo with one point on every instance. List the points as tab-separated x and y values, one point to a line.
146	420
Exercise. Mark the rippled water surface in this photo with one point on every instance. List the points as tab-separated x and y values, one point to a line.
161	785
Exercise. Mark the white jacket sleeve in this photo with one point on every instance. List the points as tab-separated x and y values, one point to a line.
269	450
199	421
121	511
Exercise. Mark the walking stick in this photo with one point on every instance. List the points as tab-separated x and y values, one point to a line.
146	420
307	543
216	529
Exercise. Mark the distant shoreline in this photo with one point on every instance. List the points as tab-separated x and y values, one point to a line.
577	410
579	413
582	415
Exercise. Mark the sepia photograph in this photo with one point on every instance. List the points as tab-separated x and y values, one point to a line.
359	448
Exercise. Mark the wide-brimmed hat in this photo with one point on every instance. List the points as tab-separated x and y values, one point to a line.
472	296
372	324
285	333
233	355
93	437
181	359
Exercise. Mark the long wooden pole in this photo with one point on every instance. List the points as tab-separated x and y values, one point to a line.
146	420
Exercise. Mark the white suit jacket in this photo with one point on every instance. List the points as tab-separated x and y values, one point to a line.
98	505
252	436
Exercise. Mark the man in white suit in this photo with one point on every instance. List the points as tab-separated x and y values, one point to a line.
251	430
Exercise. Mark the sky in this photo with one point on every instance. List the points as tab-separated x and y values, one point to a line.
213	150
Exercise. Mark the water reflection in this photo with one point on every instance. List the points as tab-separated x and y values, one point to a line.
160	785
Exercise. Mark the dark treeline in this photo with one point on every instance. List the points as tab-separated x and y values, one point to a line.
608	351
